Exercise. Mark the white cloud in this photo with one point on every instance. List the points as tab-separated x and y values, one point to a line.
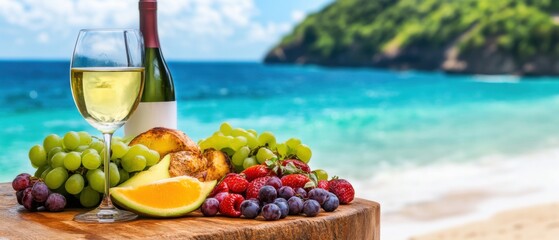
188	25
298	15
43	37
267	32
57	15
193	17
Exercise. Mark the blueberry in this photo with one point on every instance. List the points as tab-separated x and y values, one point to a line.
311	208
332	202
210	207
271	211
255	200
295	205
267	194
283	207
318	194
280	200
250	209
301	192
274	182
286	192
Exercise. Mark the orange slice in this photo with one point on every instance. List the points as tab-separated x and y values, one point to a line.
172	197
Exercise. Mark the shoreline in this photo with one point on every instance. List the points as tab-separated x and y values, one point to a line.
436	198
536	222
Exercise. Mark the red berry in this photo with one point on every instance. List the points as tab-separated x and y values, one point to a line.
295	180
298	164
323	184
256	171
342	189
236	183
221	187
231	205
255	185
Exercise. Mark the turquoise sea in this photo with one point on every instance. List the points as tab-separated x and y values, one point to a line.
358	122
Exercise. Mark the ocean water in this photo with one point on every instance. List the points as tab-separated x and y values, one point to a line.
358	122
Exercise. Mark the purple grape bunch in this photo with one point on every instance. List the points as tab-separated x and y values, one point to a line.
34	194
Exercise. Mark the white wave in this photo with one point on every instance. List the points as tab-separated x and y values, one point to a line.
501	183
496	79
65	123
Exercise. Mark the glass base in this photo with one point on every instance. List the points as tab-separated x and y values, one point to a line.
105	215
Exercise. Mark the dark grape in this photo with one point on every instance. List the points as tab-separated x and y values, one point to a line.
210	207
274	182
283	207
301	192
27	175
55	202
267	194
318	194
19	196
254	200
250	209
295	205
271	211
27	200
311	208
220	196
40	192
332	202
21	182
286	192
280	200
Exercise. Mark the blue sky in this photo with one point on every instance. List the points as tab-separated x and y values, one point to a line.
189	29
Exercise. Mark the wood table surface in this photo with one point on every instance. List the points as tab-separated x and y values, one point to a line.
356	221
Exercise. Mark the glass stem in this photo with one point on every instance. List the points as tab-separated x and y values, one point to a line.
106	203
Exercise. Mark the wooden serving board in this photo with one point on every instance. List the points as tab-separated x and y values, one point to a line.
358	220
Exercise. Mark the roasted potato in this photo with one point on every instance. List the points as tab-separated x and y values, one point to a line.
184	163
165	141
218	166
186	157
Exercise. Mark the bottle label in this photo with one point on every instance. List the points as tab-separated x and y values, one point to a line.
149	115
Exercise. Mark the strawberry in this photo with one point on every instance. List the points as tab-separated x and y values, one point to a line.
255	185
295	180
342	189
221	187
323	184
236	183
231	205
298	164
256	171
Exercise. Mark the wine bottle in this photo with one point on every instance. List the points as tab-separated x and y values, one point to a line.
158	107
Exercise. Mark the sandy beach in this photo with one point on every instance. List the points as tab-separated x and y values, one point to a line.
494	198
539	222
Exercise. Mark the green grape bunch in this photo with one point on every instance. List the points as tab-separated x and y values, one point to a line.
247	148
73	164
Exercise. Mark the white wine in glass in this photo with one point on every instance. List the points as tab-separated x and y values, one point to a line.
107	79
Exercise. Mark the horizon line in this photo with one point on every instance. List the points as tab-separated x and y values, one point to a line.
168	60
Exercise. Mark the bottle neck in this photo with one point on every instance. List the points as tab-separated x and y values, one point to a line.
148	23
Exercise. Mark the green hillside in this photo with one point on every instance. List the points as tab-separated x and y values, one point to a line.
428	34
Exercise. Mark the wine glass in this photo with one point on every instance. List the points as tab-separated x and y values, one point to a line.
107	79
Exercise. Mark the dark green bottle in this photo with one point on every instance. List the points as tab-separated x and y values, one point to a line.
158	107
